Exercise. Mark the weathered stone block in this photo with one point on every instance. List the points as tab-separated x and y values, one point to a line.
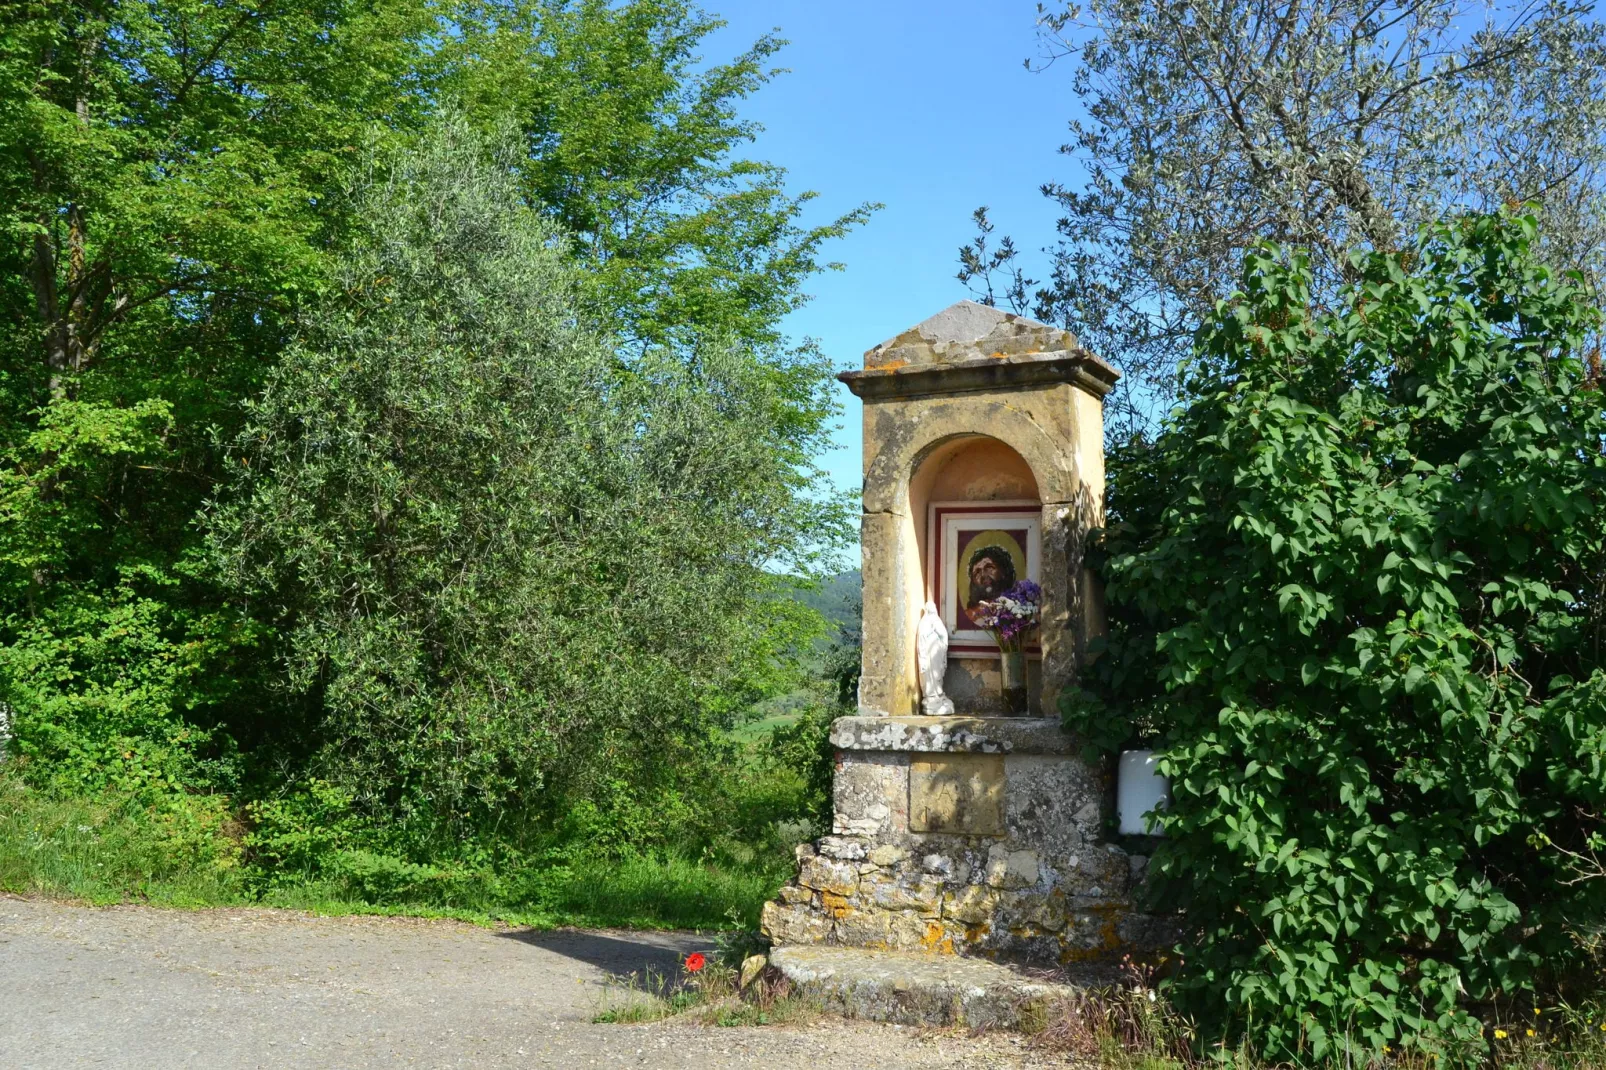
973	904
871	795
887	854
957	734
1045	912
841	847
1022	868
1011	869
910	932
793	925
864	929
1093	926
918	989
922	897
959	794
837	906
792	895
828	875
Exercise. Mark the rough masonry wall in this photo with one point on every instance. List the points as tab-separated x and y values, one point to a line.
1025	877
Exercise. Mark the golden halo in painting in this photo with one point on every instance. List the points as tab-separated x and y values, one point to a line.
989	563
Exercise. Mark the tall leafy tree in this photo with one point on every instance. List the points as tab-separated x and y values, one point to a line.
163	168
176	182
632	147
1334	125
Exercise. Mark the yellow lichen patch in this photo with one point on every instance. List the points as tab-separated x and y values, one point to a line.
835	905
937	939
1106	937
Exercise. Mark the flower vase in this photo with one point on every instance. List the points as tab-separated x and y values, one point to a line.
1013	671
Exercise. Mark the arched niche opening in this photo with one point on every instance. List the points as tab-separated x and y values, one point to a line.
963	483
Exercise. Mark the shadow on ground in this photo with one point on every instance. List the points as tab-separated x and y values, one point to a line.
619	953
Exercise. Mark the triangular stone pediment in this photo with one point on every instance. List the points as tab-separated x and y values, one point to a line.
966	330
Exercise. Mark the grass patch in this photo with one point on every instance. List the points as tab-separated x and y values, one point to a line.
1132	1027
770	715
657	893
185	851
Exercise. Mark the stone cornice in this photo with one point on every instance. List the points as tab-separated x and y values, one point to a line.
1079	367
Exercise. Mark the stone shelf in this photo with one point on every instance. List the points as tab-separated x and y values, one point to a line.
952	735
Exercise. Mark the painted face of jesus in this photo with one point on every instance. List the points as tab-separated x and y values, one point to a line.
991	574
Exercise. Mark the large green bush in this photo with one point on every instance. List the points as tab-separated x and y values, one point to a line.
1357	597
508	569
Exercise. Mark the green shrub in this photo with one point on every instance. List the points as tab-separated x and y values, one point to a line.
1356	598
296	834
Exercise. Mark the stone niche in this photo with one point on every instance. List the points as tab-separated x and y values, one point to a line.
978	470
976	833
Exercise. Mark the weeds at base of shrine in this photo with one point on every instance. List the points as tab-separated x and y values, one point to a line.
710	996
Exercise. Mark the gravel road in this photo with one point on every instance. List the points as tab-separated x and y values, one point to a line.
231	989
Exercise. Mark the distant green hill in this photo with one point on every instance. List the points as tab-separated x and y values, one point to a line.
836	599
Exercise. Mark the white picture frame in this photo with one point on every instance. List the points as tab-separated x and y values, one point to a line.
952	528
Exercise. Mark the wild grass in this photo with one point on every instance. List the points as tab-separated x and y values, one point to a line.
1132	1027
185	851
710	997
657	893
114	849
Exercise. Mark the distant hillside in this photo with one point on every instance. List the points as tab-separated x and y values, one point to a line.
836	599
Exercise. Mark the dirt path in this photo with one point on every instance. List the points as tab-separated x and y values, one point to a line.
227	989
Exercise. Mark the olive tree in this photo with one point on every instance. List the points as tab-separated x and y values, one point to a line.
503	561
1329	124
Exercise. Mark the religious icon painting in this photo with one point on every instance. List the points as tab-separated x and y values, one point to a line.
977	551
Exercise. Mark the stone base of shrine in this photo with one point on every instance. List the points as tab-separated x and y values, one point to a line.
965	835
914	988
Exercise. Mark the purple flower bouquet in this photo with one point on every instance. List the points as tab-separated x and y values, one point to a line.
1009	618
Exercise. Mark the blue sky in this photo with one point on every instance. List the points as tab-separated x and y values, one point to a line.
925	107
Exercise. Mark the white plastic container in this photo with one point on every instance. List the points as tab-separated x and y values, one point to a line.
1139	789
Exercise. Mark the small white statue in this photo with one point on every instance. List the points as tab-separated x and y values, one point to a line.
931	651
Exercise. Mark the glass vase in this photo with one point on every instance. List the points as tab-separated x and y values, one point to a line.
1013	671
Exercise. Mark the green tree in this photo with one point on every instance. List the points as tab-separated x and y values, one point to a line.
511	571
173	177
631	149
1356	599
1332	125
162	171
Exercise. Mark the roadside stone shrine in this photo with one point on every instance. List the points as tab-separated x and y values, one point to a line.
963	822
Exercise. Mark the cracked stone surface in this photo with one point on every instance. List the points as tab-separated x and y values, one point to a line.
920	861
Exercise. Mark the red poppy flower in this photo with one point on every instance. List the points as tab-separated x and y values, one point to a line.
695	962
